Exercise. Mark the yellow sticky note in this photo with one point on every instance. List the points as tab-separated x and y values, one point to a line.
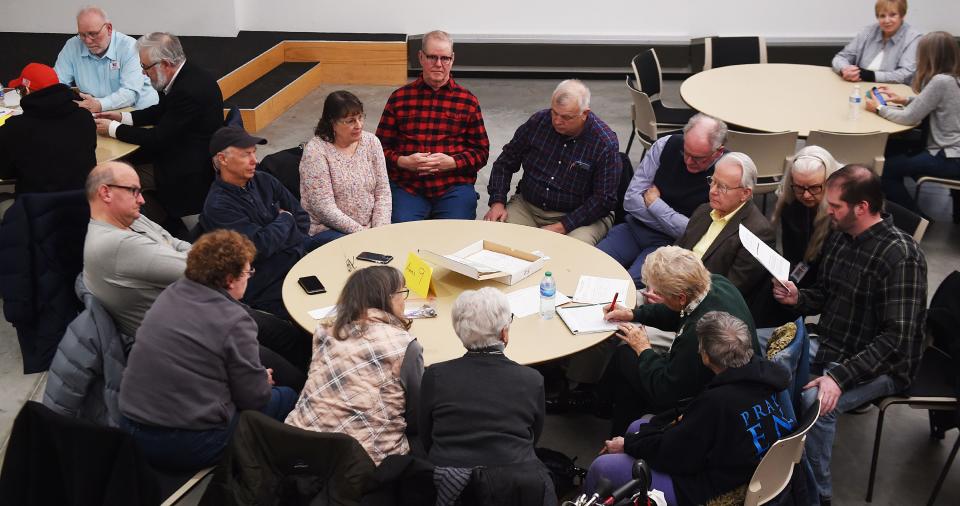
418	274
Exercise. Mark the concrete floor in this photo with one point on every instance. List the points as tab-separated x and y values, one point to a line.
910	461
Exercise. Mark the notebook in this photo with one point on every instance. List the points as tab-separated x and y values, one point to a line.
585	319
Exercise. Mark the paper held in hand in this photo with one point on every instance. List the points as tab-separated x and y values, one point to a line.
775	264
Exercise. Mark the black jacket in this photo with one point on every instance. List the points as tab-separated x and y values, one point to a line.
52	146
723	434
178	144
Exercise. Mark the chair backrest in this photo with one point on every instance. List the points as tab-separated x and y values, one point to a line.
285	166
626	174
771	152
646	71
645	120
866	149
907	220
775	470
726	51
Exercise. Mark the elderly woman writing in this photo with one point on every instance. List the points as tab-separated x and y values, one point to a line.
680	291
885	52
716	445
196	361
483	409
343	175
364	378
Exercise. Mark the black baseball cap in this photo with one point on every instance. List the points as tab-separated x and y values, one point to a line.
226	137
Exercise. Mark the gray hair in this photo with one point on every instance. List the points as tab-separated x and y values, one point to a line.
571	89
716	129
748	169
95	10
438	35
162	46
725	339
479	316
104	173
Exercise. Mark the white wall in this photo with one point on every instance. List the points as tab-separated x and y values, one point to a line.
670	19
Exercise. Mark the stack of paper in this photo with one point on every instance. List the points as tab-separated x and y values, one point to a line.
595	290
586	319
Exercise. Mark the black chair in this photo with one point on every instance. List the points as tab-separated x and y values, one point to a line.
285	166
726	51
234	118
649	79
907	220
934	387
626	174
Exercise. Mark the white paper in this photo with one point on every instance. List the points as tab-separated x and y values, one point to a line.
498	261
526	301
324	312
594	290
482	269
586	319
778	266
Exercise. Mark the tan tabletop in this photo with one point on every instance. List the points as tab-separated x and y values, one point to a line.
777	97
109	149
532	339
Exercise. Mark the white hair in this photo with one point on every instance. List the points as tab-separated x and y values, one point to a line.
572	89
95	10
716	128
437	35
725	339
162	46
748	169
479	316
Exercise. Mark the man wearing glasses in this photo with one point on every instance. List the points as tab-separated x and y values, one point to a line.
666	188
104	65
571	169
173	158
433	140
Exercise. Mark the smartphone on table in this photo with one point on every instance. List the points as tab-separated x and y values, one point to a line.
376	258
877	96
311	285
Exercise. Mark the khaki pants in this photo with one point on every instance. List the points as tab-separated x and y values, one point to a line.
521	212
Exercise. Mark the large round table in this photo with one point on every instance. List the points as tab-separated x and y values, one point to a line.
109	149
532	339
777	97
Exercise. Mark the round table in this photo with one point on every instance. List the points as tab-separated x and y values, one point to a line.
532	339
778	97
109	149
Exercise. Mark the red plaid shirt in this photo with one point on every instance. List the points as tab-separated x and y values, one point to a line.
418	119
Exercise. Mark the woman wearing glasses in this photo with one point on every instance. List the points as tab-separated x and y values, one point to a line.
364	378
196	361
343	174
801	211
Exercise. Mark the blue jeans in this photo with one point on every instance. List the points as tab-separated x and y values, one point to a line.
630	242
320	238
459	202
915	166
189	450
819	446
618	468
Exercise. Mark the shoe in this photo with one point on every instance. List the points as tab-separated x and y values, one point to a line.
824	501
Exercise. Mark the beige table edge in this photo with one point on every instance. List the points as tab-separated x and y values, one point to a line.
532	339
777	97
109	149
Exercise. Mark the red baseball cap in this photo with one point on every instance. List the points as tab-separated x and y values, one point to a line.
36	76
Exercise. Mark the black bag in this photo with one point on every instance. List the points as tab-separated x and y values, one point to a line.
564	472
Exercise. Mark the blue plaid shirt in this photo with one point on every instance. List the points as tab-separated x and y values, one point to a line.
575	175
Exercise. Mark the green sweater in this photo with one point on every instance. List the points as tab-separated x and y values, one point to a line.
667	378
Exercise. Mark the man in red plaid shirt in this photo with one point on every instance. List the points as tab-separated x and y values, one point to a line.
434	140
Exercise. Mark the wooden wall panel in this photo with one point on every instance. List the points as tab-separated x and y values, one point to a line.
251	71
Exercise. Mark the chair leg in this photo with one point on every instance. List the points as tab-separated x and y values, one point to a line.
633	133
876	455
943	474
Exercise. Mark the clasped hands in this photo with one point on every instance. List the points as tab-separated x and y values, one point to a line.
427	163
103	120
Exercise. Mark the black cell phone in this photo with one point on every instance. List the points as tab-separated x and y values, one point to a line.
376	258
311	285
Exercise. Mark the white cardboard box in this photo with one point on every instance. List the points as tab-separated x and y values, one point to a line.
484	260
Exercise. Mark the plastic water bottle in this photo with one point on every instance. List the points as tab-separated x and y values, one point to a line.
548	296
855	99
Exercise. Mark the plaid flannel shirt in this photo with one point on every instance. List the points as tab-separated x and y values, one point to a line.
871	293
419	119
576	175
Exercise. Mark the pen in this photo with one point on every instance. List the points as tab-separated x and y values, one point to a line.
614	303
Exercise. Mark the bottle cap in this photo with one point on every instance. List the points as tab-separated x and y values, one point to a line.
548	273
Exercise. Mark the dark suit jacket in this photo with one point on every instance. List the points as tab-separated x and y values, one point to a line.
183	122
726	255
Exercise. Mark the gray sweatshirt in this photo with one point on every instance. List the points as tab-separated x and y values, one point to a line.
940	99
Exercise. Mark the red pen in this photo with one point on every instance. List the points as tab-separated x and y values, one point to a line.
614	303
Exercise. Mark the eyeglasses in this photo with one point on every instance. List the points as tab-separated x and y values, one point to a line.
134	190
564	117
434	58
352	120
249	273
722	188
90	35
405	292
148	67
699	159
813	190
